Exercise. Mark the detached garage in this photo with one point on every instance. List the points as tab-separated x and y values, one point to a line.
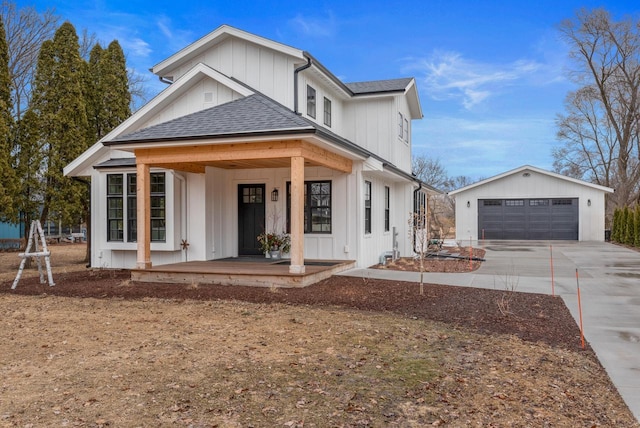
529	203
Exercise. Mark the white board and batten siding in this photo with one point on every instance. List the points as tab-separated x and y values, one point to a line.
263	69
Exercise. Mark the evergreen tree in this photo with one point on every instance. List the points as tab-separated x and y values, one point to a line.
7	174
107	91
623	225
628	231
58	102
636	226
28	159
614	225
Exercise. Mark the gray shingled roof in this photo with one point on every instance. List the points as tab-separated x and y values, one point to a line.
377	86
253	114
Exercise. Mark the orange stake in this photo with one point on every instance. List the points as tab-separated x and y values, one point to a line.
580	311
553	291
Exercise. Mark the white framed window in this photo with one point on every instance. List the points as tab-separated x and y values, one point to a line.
327	111
367	207
311	102
387	208
406	130
400	125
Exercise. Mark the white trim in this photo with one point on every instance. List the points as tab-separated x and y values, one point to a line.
174	90
217	36
534	169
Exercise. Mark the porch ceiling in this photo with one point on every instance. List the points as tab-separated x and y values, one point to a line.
272	154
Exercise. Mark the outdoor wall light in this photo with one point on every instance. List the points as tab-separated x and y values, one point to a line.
274	195
589	202
468	204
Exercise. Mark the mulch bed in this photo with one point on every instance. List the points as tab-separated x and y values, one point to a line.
532	317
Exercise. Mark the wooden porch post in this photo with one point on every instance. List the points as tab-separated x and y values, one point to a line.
143	190
297	215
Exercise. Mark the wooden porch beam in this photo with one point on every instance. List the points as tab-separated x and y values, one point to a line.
184	166
326	158
190	156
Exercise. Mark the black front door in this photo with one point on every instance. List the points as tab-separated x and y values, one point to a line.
250	218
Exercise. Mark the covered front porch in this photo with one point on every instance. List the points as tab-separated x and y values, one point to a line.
294	155
248	271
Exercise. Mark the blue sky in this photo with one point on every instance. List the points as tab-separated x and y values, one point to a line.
491	74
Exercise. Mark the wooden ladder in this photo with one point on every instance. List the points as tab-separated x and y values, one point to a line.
36	233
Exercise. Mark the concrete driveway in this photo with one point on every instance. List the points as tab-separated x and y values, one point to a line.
609	278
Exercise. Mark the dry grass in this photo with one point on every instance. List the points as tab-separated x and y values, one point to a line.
64	258
154	362
88	362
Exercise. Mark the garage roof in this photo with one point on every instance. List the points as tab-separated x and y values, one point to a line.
526	168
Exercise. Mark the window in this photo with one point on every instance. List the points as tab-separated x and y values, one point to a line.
327	111
252	195
400	125
115	213
387	208
311	102
132	208
538	202
514	203
115	207
562	202
367	207
491	203
317	206
158	203
406	130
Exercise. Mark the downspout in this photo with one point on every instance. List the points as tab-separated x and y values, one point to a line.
295	83
415	210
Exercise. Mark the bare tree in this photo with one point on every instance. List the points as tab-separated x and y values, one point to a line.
601	127
419	236
26	30
441	208
430	171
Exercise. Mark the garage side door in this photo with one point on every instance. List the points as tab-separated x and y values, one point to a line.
528	219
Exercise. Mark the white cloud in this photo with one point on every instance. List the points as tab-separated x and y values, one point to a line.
315	26
135	46
450	76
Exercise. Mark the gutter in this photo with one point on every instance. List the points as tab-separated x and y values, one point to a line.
295	83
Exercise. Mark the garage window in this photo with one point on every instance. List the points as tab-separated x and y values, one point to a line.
562	202
492	203
514	203
538	202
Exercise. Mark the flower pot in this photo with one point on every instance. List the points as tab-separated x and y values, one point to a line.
275	254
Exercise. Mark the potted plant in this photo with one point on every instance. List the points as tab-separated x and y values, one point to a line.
274	243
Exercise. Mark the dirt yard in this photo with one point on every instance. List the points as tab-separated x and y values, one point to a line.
98	350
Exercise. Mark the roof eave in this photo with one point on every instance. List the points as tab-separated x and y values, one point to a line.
535	169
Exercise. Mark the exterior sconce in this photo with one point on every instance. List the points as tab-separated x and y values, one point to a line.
274	195
589	202
468	204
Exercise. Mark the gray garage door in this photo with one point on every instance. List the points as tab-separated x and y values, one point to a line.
544	219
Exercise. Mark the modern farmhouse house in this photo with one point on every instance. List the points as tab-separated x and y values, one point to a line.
249	136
